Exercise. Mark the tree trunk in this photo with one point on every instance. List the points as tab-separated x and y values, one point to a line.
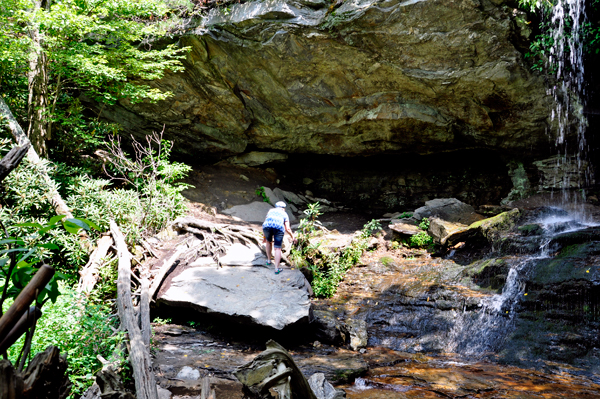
37	112
139	354
21	138
45	377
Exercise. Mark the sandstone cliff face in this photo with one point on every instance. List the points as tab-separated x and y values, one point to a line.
367	77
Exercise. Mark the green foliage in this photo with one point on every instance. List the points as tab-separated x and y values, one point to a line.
150	198
328	268
540	46
420	240
405	215
369	228
81	329
24	247
105	51
261	193
161	322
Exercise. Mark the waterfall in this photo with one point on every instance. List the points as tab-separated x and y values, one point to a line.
476	333
565	63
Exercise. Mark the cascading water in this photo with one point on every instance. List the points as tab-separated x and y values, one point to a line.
565	62
475	334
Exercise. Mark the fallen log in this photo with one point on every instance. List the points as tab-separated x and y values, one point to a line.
89	273
139	354
145	325
25	322
274	368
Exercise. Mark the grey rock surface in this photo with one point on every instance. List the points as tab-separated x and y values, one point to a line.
441	229
239	255
257	158
404	228
374	76
254	212
357	330
188	373
251	295
449	209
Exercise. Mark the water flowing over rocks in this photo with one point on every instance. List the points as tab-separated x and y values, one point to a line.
367	77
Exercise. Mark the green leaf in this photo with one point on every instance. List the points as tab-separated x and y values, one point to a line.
49	245
90	224
8	251
36	225
56	219
74	225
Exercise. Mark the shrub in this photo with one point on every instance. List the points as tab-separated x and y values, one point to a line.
80	329
328	268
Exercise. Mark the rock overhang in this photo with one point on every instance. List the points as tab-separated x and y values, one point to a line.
367	77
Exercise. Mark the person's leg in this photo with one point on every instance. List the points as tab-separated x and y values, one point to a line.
268	244
268	247
278	241
277	257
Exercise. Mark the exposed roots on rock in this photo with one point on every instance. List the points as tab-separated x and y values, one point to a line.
212	235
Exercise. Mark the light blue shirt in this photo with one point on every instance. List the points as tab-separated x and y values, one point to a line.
276	219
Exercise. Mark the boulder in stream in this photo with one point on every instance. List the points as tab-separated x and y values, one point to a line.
449	209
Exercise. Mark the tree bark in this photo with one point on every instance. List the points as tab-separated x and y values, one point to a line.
145	325
139	355
12	160
60	206
27	295
89	273
45	377
37	112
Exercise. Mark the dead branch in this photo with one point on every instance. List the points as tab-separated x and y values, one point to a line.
145	382
89	273
274	368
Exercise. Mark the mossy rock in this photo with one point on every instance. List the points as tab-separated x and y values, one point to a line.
574	262
486	230
488	273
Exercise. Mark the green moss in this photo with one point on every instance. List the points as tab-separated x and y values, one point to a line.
386	260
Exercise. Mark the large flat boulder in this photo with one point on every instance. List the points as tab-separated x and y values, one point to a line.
448	209
246	294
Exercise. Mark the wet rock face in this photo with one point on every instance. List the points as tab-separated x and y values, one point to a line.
368	77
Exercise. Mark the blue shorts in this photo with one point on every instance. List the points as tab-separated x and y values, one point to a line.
271	232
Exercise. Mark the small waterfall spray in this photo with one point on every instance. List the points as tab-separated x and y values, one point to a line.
565	62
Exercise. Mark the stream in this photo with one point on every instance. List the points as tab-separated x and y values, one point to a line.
438	327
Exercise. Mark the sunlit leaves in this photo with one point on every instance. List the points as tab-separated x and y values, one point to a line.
103	47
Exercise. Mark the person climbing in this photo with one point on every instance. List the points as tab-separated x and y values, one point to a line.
276	224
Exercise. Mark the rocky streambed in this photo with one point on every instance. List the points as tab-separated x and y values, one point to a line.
511	312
